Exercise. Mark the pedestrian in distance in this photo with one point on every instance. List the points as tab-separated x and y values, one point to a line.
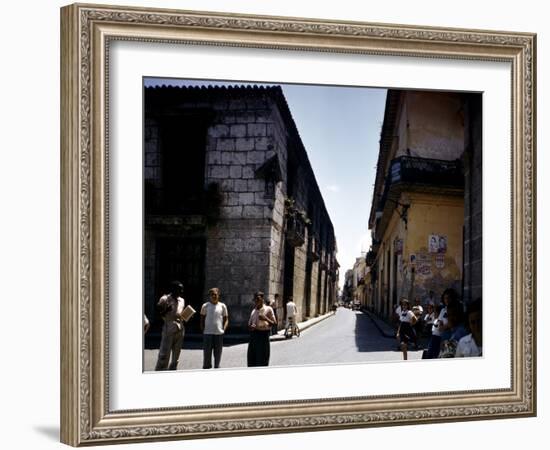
418	311
214	321
439	324
396	319
449	296
171	307
260	323
405	332
274	305
291	316
428	320
430	298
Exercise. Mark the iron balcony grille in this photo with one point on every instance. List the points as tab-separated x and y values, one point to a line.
295	231
422	172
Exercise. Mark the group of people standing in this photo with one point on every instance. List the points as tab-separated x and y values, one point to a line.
214	319
452	329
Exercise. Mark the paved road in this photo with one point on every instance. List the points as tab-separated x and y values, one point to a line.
345	337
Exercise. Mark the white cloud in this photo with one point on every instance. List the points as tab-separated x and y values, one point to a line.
333	188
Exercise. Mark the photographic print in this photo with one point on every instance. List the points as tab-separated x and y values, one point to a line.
309	224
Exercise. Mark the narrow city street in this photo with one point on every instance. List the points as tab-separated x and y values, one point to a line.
345	337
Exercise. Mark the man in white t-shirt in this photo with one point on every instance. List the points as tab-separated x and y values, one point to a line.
291	314
214	320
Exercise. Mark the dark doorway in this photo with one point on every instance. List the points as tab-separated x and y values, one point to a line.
309	267
288	286
394	283
388	285
182	259
319	289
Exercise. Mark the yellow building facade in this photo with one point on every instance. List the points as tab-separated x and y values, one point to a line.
417	215
406	265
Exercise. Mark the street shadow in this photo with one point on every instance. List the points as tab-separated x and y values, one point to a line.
368	338
194	342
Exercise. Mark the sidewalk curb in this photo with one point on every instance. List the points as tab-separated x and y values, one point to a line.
302	326
245	337
309	323
375	321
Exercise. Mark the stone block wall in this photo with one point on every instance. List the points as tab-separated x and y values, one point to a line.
237	262
152	160
473	257
299	287
277	252
249	233
245	240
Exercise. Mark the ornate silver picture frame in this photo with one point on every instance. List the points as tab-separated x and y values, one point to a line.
87	34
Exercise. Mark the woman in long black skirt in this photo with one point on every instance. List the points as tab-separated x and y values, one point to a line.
261	320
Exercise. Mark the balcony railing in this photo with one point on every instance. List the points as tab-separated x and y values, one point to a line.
370	257
295	231
426	171
422	172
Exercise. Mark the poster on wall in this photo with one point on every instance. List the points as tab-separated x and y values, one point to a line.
440	261
433	243
423	264
437	243
442	244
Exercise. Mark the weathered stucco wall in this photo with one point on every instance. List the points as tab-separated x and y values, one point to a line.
431	126
440	216
428	215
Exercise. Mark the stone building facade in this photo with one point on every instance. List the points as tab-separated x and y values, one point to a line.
425	217
231	201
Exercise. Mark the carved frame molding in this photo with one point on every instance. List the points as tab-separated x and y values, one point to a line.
86	33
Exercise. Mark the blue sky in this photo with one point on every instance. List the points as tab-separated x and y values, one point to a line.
340	129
